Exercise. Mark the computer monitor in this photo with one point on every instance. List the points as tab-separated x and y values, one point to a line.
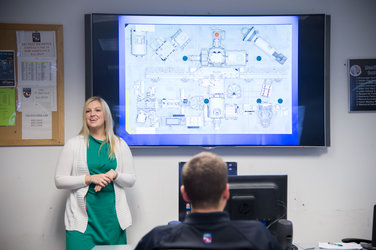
258	197
185	207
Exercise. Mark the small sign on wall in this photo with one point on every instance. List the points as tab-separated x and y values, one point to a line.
362	84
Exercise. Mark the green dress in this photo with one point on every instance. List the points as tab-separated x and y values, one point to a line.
103	226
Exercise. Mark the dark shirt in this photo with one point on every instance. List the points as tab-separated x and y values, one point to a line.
210	231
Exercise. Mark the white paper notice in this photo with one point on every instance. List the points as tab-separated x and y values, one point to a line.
36	72
36	58
36	43
37	82
36	124
42	96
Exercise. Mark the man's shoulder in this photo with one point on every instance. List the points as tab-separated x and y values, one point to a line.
165	228
248	223
249	227
156	235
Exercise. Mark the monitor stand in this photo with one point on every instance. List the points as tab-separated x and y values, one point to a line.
366	244
372	244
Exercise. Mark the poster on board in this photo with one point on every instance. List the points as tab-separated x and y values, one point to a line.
37	81
362	84
7	69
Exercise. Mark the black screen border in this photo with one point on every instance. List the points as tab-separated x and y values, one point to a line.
102	72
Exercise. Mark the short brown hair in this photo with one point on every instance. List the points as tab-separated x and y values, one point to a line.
204	178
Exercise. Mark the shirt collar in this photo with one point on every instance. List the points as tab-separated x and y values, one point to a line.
207	218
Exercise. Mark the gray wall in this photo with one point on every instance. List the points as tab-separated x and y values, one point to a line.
331	191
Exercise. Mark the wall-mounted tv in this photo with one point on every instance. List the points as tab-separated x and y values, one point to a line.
179	80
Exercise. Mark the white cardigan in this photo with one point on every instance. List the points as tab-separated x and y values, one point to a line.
70	174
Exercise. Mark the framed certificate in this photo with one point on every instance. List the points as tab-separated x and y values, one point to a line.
362	84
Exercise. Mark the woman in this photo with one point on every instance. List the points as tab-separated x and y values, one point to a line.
96	166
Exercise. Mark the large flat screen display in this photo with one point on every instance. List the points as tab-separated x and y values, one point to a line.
211	80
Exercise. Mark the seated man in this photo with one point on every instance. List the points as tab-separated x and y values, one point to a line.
205	185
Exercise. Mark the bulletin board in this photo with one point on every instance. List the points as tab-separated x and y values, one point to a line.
20	131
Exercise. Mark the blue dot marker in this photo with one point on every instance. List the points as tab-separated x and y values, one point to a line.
280	100
258	100
185	58
206	100
258	58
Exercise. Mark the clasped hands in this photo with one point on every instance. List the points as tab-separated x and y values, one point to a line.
102	180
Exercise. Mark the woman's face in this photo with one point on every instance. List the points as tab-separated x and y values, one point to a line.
94	116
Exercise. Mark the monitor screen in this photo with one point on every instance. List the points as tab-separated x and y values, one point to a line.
258	197
179	80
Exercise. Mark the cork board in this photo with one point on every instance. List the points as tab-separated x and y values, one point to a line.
12	135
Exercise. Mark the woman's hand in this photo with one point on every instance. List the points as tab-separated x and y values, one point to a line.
97	188
111	175
99	179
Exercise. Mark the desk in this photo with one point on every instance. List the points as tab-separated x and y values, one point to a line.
315	246
307	246
114	247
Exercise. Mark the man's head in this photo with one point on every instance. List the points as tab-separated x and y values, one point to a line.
204	180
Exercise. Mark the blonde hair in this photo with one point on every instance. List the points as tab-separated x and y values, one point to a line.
108	125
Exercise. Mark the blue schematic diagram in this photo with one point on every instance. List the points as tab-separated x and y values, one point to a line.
198	78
